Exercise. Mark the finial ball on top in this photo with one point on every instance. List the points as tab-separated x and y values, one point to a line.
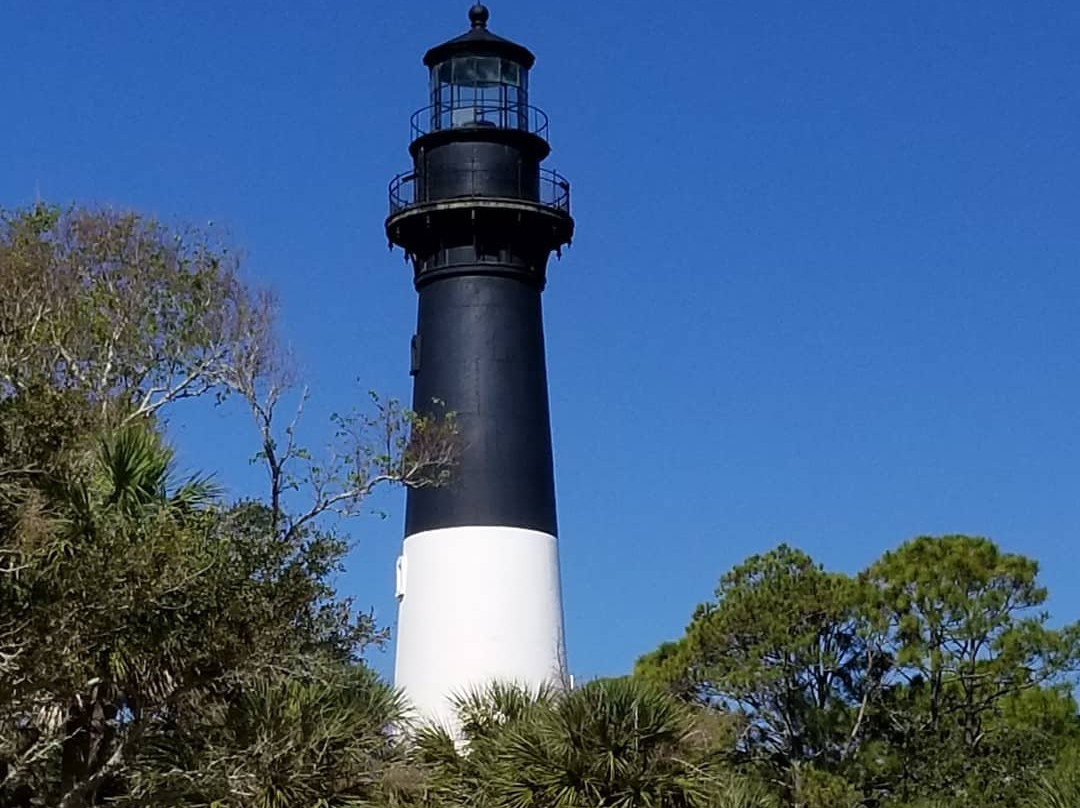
478	15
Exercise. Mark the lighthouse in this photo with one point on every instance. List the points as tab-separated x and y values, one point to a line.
478	587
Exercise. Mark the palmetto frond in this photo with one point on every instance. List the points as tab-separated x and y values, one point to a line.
196	492
136	470
616	743
613	743
134	466
280	741
483	711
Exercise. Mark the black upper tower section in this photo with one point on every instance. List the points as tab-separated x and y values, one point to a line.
478	217
477	194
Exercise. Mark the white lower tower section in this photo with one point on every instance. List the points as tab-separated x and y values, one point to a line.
476	604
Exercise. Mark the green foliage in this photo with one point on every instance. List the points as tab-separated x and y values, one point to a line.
975	667
463	774
932	675
616	742
135	599
128	312
961	611
613	743
157	645
1060	787
318	738
781	646
821	789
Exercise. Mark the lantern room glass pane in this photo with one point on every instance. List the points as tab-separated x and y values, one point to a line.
464	71
489	71
511	73
479	90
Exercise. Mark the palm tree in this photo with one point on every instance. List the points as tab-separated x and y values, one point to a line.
281	740
133	472
456	764
616	743
103	520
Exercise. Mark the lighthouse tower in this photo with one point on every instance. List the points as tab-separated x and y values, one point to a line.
478	577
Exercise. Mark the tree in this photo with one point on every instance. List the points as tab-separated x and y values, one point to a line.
615	742
138	603
129	313
933	675
611	743
99	599
457	766
782	645
281	739
134	606
977	670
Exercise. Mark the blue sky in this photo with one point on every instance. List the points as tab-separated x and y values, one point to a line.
824	288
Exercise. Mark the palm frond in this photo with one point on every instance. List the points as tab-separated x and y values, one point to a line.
196	492
482	711
135	466
137	472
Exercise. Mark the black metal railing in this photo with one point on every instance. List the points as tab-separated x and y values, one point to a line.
402	191
459	115
552	190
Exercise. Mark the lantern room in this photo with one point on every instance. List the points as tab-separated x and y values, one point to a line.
479	80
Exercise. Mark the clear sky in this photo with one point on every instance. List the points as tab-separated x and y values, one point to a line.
825	286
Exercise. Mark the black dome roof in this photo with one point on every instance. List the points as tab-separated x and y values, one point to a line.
479	41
